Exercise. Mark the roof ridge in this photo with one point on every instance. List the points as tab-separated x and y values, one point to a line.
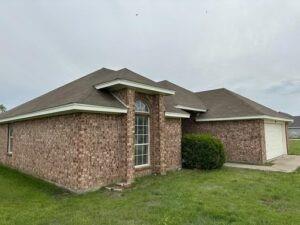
211	90
159	82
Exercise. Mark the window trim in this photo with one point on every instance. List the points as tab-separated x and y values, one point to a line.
147	115
10	138
148	144
142	112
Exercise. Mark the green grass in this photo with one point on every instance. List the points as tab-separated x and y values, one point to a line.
227	196
294	147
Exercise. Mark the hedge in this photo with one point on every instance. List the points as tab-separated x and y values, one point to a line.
202	152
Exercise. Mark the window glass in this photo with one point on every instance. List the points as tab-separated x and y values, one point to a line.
141	140
141	107
10	139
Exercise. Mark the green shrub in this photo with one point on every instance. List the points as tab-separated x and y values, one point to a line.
202	152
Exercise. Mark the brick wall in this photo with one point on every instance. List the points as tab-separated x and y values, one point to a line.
243	140
103	150
85	151
173	143
79	151
46	148
156	134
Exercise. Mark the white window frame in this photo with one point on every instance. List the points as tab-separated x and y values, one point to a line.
10	138
143	114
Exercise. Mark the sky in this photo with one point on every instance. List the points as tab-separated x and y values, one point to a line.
250	47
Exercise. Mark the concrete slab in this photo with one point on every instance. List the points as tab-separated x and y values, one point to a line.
286	164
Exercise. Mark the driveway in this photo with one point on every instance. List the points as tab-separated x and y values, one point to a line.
286	164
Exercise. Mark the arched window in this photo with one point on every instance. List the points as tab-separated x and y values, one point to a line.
142	134
141	107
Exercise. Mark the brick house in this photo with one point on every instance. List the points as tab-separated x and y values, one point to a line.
113	126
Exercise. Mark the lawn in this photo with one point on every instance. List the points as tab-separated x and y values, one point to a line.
227	196
294	147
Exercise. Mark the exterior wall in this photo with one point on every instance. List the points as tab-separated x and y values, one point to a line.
46	148
85	151
294	133
79	151
244	140
165	135
173	143
102	150
156	134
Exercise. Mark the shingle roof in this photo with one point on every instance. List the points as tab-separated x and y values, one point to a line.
81	91
222	103
296	122
125	74
183	97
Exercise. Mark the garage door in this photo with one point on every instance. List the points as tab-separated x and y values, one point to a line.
275	136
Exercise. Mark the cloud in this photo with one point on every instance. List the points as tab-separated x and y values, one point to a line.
286	87
247	46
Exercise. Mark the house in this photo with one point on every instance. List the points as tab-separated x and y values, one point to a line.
113	126
294	128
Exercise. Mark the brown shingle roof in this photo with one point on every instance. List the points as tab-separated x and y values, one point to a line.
81	91
222	103
182	97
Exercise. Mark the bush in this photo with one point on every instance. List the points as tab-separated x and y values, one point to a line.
202	152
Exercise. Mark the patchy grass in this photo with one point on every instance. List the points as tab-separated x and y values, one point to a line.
226	196
268	163
294	147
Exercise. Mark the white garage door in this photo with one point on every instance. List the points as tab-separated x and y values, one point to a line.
275	136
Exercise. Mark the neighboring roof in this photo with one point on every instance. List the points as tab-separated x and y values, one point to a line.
223	104
287	115
296	123
182	100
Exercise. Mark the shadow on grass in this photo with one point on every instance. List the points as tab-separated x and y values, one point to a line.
27	181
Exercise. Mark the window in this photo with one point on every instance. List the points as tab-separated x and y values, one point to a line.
10	139
141	156
141	107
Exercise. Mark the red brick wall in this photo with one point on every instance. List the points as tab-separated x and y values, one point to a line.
243	140
79	151
155	134
165	136
103	155
173	143
46	148
85	151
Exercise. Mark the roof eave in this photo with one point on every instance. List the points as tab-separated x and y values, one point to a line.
177	115
190	108
244	118
119	83
64	109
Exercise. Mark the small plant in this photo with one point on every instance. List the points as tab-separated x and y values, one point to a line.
202	152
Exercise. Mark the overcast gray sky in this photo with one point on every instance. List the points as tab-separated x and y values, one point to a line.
251	47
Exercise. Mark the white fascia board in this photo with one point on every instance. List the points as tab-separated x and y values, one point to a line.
134	85
66	108
190	108
245	118
176	115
